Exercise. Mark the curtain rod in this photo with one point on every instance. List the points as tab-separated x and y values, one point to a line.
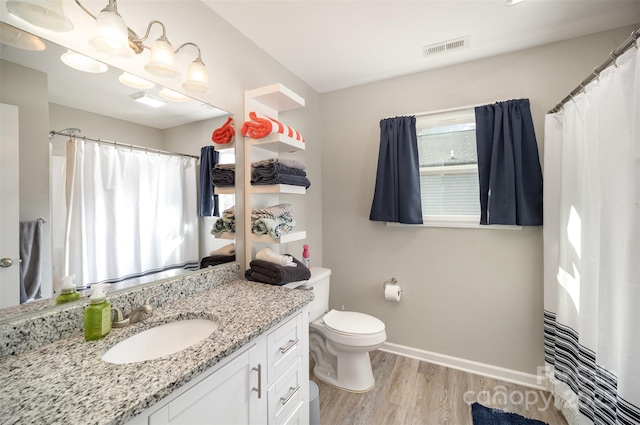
628	43
126	145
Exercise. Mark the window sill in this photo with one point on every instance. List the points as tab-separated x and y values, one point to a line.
458	222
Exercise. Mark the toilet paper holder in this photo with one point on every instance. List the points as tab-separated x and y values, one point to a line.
393	281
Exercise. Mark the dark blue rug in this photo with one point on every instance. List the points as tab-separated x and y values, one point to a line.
486	416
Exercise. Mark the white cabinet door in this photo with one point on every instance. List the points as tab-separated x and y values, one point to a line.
227	397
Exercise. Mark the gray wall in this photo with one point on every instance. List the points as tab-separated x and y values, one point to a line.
475	294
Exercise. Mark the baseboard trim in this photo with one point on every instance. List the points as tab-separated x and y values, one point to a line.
496	372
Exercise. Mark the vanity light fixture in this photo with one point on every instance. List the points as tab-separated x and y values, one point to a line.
110	38
171	95
111	34
45	14
148	100
83	63
14	37
135	81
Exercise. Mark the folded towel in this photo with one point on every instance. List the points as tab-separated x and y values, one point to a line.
281	179
273	211
224	134
214	260
229	249
229	212
264	126
274	274
268	254
272	169
293	163
221	177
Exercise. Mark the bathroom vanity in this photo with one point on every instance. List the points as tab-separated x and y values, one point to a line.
252	369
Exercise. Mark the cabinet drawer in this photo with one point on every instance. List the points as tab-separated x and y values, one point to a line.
294	419
284	346
286	395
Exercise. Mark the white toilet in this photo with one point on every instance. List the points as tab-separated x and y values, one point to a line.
340	341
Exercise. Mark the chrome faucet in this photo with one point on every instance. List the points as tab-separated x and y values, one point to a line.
143	312
137	315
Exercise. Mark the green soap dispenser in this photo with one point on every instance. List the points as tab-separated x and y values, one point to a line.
97	315
68	292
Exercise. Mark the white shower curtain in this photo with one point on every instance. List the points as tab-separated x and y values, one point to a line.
129	212
592	249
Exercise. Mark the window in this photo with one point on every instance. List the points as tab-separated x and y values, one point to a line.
448	167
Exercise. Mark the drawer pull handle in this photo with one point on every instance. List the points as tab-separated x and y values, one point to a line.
292	392
292	343
259	389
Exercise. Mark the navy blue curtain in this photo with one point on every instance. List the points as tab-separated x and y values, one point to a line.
208	200
397	193
508	164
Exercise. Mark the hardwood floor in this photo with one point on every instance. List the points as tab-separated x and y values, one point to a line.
412	392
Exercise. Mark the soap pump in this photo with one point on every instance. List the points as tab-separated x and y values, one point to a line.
306	256
97	315
68	291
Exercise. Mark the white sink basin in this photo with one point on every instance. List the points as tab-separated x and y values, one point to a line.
160	341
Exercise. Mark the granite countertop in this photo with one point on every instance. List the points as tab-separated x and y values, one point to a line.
66	382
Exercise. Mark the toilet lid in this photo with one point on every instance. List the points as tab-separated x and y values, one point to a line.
352	322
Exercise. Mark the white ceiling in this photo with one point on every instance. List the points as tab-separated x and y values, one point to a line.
334	44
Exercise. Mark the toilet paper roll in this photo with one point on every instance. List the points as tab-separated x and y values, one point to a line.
392	292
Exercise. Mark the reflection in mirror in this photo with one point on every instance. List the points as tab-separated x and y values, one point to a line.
47	95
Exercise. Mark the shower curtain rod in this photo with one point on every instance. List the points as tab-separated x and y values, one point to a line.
125	145
628	43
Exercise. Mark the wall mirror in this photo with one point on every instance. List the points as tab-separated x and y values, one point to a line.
51	96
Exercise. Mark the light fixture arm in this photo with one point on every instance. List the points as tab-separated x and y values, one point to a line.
138	42
191	44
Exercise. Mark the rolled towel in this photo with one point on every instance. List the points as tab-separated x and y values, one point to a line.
229	249
264	126
268	254
224	134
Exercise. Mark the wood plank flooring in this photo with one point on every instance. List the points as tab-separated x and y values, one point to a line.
412	392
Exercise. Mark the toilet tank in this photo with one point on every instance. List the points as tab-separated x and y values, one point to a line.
318	283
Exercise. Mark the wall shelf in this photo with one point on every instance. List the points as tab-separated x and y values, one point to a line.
276	97
224	190
278	188
226	235
289	237
278	143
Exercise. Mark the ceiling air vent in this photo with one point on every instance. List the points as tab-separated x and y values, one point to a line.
446	46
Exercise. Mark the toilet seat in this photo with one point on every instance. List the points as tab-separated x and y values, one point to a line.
341	326
352	323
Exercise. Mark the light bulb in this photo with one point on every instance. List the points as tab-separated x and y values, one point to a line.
111	35
163	59
197	77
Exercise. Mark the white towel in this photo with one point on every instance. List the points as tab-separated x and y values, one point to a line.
268	254
229	249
